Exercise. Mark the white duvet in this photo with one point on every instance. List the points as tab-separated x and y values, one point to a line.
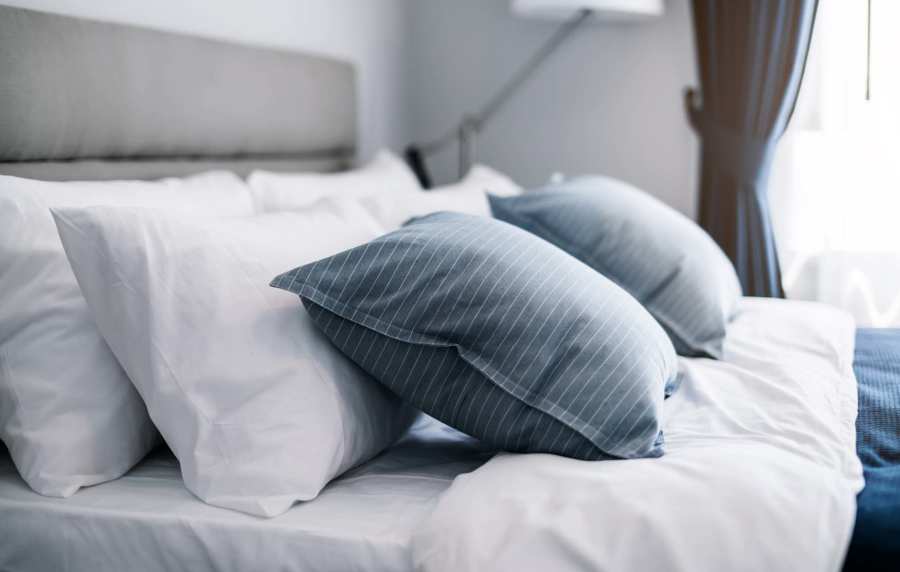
760	471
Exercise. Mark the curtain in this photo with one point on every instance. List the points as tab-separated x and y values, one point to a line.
751	56
835	182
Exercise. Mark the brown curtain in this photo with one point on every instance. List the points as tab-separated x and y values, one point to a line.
751	56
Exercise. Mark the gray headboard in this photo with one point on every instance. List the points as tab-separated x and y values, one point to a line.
90	100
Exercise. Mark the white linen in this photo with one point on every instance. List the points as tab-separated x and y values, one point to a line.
760	471
68	413
386	173
391	212
148	522
259	407
468	196
483	178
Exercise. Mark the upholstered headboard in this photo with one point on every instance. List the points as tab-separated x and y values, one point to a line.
90	100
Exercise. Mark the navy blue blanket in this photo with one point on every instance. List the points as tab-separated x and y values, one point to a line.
876	537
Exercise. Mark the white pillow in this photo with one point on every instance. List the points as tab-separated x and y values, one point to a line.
386	173
391	212
467	196
258	406
484	178
68	413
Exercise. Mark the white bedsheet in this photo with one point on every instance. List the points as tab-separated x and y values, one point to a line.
760	472
147	520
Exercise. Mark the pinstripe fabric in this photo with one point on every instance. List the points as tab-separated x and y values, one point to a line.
497	333
659	256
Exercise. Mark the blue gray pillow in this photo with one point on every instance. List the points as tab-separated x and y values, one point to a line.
498	334
658	255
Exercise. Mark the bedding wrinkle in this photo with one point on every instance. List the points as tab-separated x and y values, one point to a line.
758	472
112	265
266	297
791	426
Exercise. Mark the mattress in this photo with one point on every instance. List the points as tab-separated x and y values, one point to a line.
876	536
148	521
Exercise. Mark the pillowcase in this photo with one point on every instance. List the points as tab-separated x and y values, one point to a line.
498	334
658	255
391	212
467	196
386	173
483	178
68	413
260	409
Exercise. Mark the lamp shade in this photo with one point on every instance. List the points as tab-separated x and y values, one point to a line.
611	10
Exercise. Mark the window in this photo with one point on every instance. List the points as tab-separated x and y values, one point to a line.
835	183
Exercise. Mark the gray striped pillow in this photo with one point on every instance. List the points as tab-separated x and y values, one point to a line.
497	333
658	255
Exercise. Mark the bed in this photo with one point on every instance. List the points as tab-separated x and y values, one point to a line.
758	476
147	520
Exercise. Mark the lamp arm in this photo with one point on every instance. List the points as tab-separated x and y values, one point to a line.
472	123
529	67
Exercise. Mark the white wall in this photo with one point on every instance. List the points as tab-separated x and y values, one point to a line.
370	33
609	102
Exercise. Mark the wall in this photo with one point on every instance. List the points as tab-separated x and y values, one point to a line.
370	33
609	102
